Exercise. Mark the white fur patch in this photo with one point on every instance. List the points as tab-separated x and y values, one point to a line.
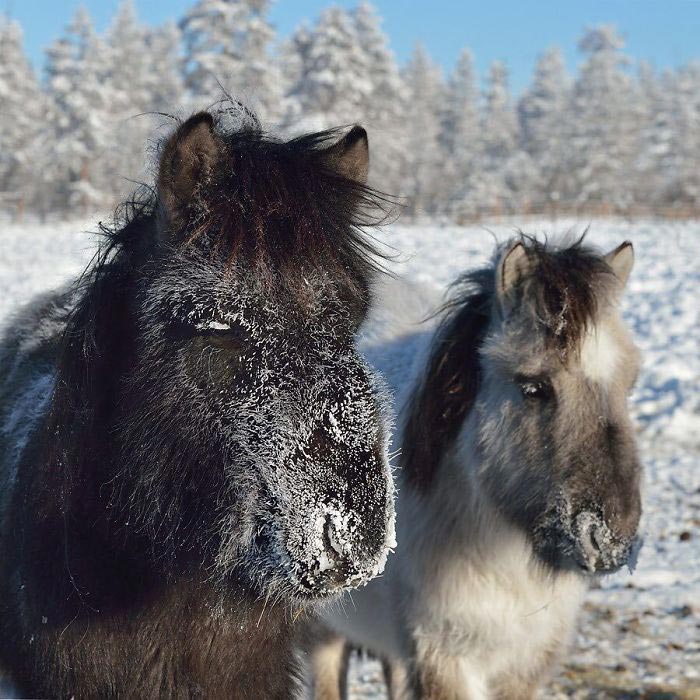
600	354
212	326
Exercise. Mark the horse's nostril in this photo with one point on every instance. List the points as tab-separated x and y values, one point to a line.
599	548
590	539
331	537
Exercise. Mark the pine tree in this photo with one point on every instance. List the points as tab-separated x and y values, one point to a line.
129	90
332	85
499	122
128	62
165	86
77	69
22	127
542	119
488	187
293	57
227	45
544	102
651	165
684	152
460	116
602	138
422	163
385	100
460	133
382	113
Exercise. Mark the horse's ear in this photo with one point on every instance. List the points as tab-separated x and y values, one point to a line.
621	261
513	265
187	161
349	156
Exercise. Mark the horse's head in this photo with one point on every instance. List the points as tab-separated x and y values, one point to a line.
555	441
253	436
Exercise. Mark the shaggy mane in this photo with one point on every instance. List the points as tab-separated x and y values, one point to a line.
562	289
277	205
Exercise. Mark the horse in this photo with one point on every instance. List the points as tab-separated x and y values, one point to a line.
518	478
193	453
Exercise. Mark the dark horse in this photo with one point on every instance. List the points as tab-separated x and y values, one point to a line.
192	450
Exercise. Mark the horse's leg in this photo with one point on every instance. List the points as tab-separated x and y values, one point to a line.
527	686
448	679
397	680
329	663
518	690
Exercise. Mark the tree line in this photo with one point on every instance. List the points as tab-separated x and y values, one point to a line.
616	137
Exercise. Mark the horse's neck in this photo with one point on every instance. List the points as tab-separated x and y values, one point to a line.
455	519
222	648
459	551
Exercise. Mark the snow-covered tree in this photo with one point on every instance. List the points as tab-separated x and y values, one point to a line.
542	119
499	124
333	85
77	68
493	179
603	132
129	89
544	102
341	71
682	163
23	119
165	86
653	162
460	131
460	115
386	96
293	59
422	164
129	82
382	113
227	44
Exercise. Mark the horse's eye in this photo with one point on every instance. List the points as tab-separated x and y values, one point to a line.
535	388
233	338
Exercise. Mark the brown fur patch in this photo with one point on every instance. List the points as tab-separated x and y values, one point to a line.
270	205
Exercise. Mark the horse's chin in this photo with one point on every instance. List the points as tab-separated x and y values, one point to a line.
313	584
563	554
277	574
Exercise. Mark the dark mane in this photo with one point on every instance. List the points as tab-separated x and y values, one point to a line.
269	205
450	381
278	206
562	289
560	294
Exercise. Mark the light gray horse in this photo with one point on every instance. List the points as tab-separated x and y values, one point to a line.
519	475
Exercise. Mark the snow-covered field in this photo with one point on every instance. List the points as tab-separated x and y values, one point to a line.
640	634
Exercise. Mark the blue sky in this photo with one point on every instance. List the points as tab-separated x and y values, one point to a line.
665	32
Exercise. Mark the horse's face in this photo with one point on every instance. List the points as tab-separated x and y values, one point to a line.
556	439
269	431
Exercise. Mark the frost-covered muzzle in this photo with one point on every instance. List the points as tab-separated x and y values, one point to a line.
587	542
330	520
590	546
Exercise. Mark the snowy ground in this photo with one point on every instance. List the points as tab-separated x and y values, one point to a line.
640	635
